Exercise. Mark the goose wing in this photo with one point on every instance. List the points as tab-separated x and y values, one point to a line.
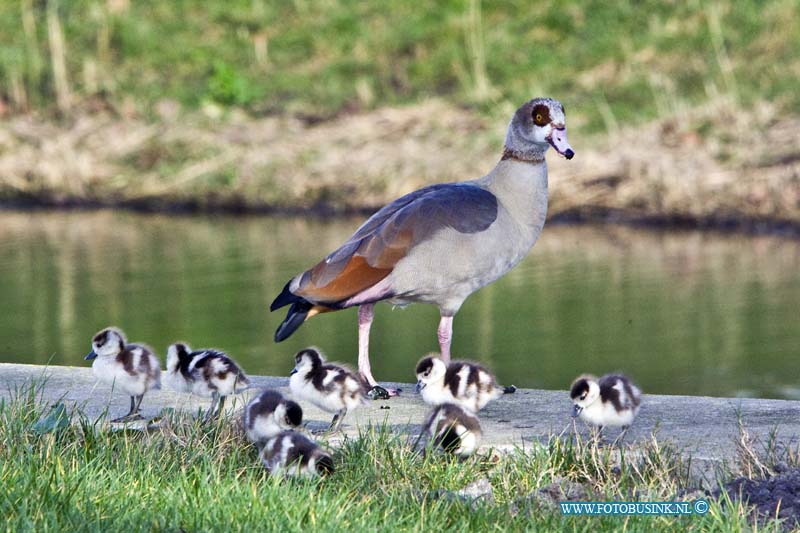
387	237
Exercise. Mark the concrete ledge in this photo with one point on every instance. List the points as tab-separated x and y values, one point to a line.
704	428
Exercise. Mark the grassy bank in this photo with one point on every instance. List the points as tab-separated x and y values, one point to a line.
677	111
188	477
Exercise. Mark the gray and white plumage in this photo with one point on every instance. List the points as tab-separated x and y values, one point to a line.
268	414
612	400
454	429
292	454
459	382
331	387
132	368
206	373
441	243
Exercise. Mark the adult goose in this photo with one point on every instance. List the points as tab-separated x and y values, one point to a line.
441	243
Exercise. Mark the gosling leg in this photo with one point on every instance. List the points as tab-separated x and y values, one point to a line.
212	407
133	413
221	405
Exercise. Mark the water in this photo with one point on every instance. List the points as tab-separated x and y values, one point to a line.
682	313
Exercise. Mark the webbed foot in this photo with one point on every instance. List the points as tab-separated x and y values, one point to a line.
135	417
380	393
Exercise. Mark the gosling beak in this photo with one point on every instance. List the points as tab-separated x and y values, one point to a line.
89	356
293	372
420	386
576	410
558	140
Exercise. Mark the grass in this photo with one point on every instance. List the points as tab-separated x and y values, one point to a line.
616	62
189	477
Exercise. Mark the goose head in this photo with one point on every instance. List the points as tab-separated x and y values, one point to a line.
584	392
430	370
176	353
107	342
537	125
289	415
306	360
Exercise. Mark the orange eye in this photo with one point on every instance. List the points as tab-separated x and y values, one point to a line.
540	115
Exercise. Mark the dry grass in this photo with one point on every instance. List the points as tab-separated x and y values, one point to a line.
703	163
711	162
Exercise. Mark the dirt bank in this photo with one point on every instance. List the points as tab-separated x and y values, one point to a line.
775	496
711	166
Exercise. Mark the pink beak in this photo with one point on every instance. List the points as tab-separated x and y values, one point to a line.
558	140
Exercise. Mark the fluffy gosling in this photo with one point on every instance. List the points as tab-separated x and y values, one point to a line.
205	373
293	454
466	384
453	428
133	368
268	414
332	388
612	400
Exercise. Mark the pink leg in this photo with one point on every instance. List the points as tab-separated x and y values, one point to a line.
445	334
365	315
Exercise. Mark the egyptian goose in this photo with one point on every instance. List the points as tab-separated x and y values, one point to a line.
268	414
133	368
292	454
466	384
331	387
205	373
612	400
441	243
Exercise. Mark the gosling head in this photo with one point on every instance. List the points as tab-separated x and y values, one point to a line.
430	369
537	125
306	360
176	353
107	342
289	415
584	392
269	414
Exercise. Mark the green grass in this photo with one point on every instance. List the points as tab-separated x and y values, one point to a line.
615	61
193	478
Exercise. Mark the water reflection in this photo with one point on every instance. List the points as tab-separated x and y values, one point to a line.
683	313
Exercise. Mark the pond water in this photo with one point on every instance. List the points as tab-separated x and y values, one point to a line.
680	312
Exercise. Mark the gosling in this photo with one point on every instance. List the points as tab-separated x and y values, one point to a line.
293	454
612	400
268	414
454	429
466	384
133	368
205	373
332	388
